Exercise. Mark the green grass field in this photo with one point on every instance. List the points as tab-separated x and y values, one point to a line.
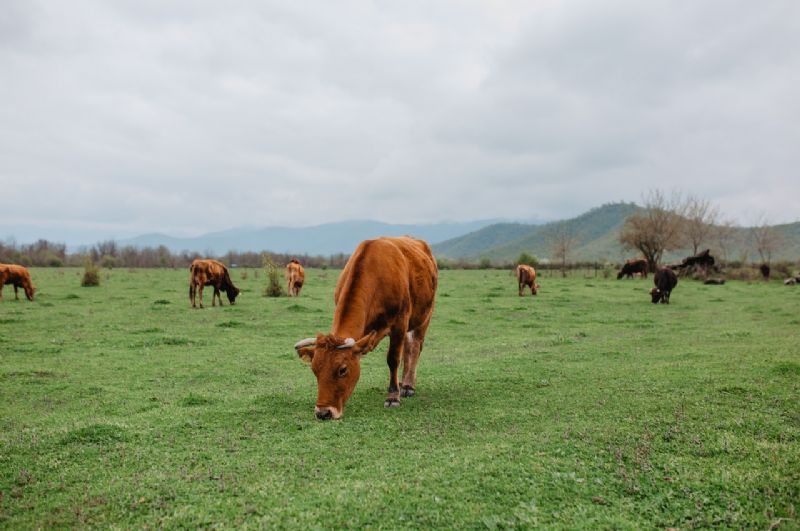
586	406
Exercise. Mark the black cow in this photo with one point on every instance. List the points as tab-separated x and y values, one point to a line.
633	266
665	281
765	271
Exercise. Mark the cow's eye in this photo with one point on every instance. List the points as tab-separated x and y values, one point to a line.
342	371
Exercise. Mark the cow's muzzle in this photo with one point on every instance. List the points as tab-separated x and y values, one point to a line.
326	413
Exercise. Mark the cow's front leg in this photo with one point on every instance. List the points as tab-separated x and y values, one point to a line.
201	294
396	341
16	292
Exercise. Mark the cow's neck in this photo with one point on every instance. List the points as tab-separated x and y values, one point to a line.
352	325
352	315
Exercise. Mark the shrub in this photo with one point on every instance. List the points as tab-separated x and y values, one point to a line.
108	261
485	263
91	274
244	275
274	287
444	263
527	259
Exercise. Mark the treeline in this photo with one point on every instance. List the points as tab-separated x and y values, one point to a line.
108	254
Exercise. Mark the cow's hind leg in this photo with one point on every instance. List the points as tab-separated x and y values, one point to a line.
201	287
396	343
16	292
414	342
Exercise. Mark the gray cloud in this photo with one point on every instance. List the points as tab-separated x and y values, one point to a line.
193	116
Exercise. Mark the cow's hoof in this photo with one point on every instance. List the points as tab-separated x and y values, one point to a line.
407	391
391	402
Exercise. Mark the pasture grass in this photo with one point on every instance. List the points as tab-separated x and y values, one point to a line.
586	406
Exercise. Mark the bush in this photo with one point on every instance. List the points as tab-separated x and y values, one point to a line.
743	273
527	259
274	287
54	261
244	275
91	274
485	263
109	262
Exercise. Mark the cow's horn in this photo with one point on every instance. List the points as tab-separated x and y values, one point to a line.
349	342
308	342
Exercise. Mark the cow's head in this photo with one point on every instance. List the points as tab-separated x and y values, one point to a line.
535	288
655	293
30	291
232	293
336	363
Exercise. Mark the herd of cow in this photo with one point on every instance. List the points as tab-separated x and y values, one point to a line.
387	288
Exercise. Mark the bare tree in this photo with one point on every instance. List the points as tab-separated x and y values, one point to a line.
700	218
725	235
766	240
656	228
561	239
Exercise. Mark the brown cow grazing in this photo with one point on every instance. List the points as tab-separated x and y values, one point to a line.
211	273
386	288
526	276
19	277
295	276
634	265
665	281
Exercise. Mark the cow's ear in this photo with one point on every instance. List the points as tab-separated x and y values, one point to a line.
306	354
365	344
305	349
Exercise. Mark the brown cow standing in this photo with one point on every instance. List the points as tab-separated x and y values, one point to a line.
633	266
211	273
526	276
19	277
386	288
295	277
665	281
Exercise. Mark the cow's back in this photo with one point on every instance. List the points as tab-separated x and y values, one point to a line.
394	274
526	274
16	274
205	270
665	279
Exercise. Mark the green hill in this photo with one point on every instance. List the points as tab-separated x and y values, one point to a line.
596	236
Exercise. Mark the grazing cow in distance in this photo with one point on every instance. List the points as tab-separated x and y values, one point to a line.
665	281
765	271
634	265
211	273
526	276
714	281
295	277
386	288
702	261
19	277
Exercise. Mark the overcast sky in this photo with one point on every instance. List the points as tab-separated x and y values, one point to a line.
186	117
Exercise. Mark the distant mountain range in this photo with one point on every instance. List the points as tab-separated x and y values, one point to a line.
596	236
596	233
325	240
